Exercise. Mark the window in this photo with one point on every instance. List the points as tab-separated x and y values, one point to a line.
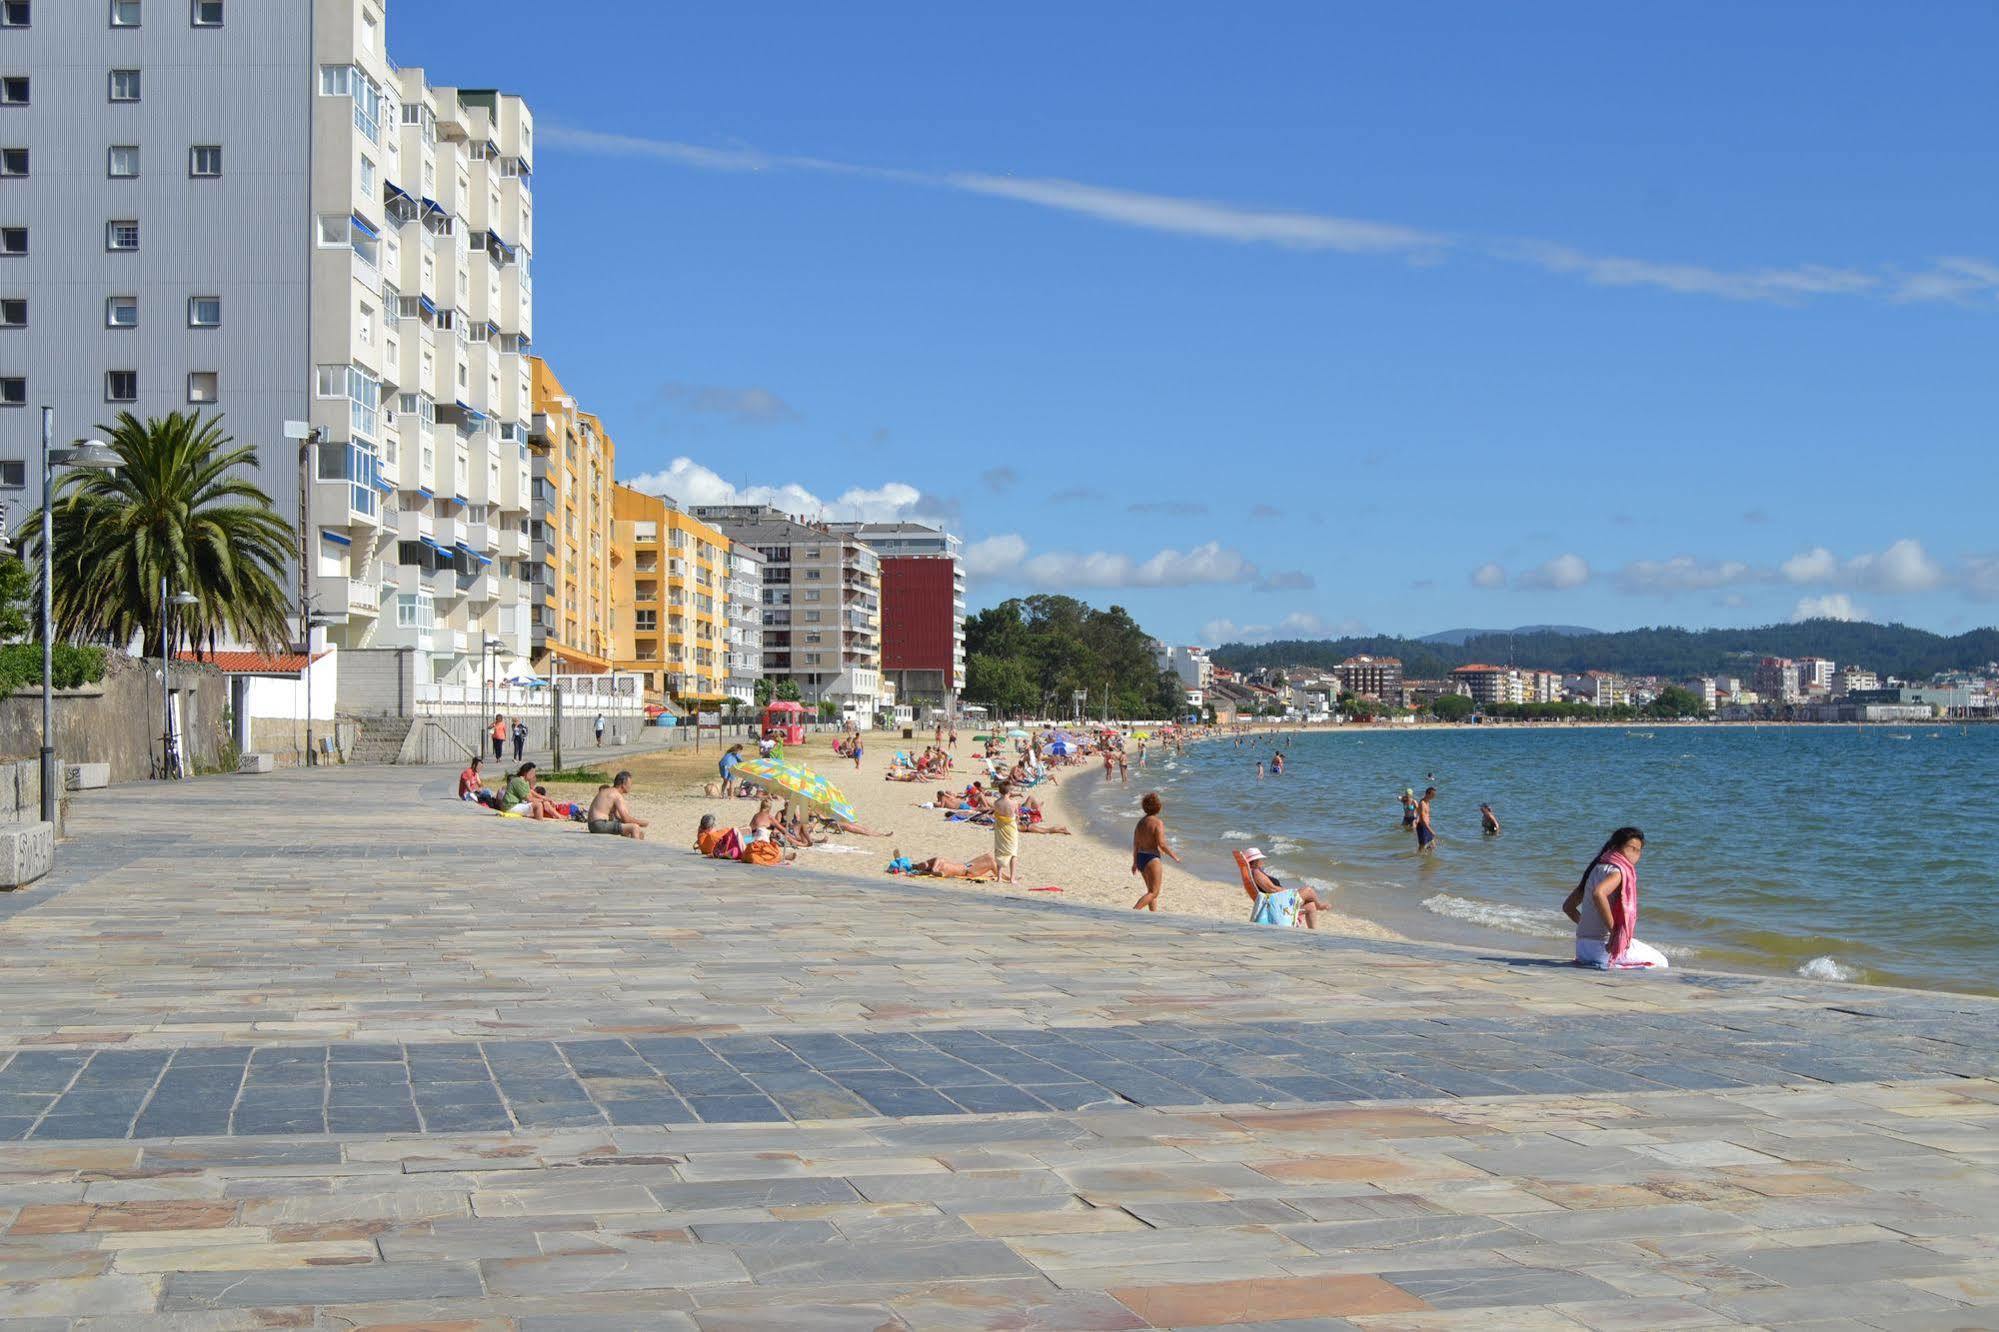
13	391
124	85
367	177
13	475
204	312
335	230
207	14
13	13
13	240
204	159
122	161
121	386
14	312
124	13
13	161
14	90
121	235
121	312
202	386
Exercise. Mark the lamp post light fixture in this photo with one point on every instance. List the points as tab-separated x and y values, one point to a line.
492	645
92	455
169	750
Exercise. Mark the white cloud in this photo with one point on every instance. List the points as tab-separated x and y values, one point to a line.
1832	606
1957	279
1298	624
1208	563
1812	566
1203	217
1681	573
690	483
1488	575
1784	285
1904	567
1559	574
995	557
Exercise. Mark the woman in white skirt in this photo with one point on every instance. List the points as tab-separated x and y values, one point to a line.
1604	906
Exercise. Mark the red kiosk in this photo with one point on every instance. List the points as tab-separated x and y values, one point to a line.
784	721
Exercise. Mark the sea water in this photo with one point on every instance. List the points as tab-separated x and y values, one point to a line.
1867	853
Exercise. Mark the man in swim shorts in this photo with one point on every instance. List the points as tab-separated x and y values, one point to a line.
611	812
1426	836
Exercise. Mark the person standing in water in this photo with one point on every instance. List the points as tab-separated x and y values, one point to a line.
1408	808
1148	844
1426	836
1488	820
1604	906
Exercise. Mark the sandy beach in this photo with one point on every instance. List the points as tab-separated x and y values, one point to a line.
668	790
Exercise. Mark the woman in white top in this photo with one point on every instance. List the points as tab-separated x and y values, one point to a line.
1604	906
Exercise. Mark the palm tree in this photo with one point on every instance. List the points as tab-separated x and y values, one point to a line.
181	507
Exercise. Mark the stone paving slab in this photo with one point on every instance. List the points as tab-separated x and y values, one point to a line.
281	1052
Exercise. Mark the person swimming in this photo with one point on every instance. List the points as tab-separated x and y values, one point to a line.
1488	820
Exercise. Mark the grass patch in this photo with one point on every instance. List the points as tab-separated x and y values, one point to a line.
577	777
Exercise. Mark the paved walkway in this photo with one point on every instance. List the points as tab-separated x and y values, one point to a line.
326	1049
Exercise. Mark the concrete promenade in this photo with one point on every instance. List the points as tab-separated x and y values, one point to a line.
330	1050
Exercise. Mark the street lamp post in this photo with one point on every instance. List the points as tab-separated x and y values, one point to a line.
99	456
311	620
168	768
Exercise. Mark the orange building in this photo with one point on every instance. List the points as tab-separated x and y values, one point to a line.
569	557
669	597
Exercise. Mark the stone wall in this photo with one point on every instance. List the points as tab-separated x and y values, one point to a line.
117	721
376	682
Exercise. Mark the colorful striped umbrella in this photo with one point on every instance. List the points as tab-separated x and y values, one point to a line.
795	781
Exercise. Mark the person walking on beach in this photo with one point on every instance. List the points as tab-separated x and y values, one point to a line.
1426	836
727	765
499	736
520	739
1148	844
1604	906
1006	834
857	750
598	725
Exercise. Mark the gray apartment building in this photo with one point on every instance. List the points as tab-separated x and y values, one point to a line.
821	605
246	207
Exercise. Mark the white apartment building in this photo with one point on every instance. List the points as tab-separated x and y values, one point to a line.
1191	664
821	606
1855	677
1815	675
1706	689
743	639
249	208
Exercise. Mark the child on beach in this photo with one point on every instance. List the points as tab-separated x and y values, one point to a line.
1148	844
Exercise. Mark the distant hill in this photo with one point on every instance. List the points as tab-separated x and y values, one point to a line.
1890	649
1458	637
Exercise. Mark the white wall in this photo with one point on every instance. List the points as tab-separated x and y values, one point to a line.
281	699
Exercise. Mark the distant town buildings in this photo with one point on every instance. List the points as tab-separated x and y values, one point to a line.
1378	678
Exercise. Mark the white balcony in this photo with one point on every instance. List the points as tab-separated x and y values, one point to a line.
511	542
413	525
446	531
479	536
333	596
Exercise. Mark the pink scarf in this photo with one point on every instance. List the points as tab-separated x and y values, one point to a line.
1624	908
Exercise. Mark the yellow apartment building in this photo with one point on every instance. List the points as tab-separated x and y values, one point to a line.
669	596
569	566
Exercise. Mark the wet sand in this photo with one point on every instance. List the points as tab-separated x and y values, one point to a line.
668	791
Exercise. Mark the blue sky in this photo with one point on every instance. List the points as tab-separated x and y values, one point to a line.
1291	319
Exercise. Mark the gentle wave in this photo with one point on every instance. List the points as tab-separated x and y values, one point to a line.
1827	968
1283	846
1235	835
1323	887
1498	916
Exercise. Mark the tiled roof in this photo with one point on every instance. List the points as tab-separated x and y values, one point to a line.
254	663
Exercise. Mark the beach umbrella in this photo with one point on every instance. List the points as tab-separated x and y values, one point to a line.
795	781
1016	734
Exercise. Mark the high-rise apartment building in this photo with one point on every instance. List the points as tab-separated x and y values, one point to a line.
669	597
1489	684
821	606
1777	680
568	570
250	209
743	637
1371	677
922	610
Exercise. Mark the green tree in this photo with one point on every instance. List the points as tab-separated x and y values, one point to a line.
180	507
828	709
785	690
1674	701
1001	684
1453	708
17	590
761	692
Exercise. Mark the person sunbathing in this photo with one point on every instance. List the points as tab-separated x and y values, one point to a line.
945	800
981	866
1033	819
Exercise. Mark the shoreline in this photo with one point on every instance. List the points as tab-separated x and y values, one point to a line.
1087	866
